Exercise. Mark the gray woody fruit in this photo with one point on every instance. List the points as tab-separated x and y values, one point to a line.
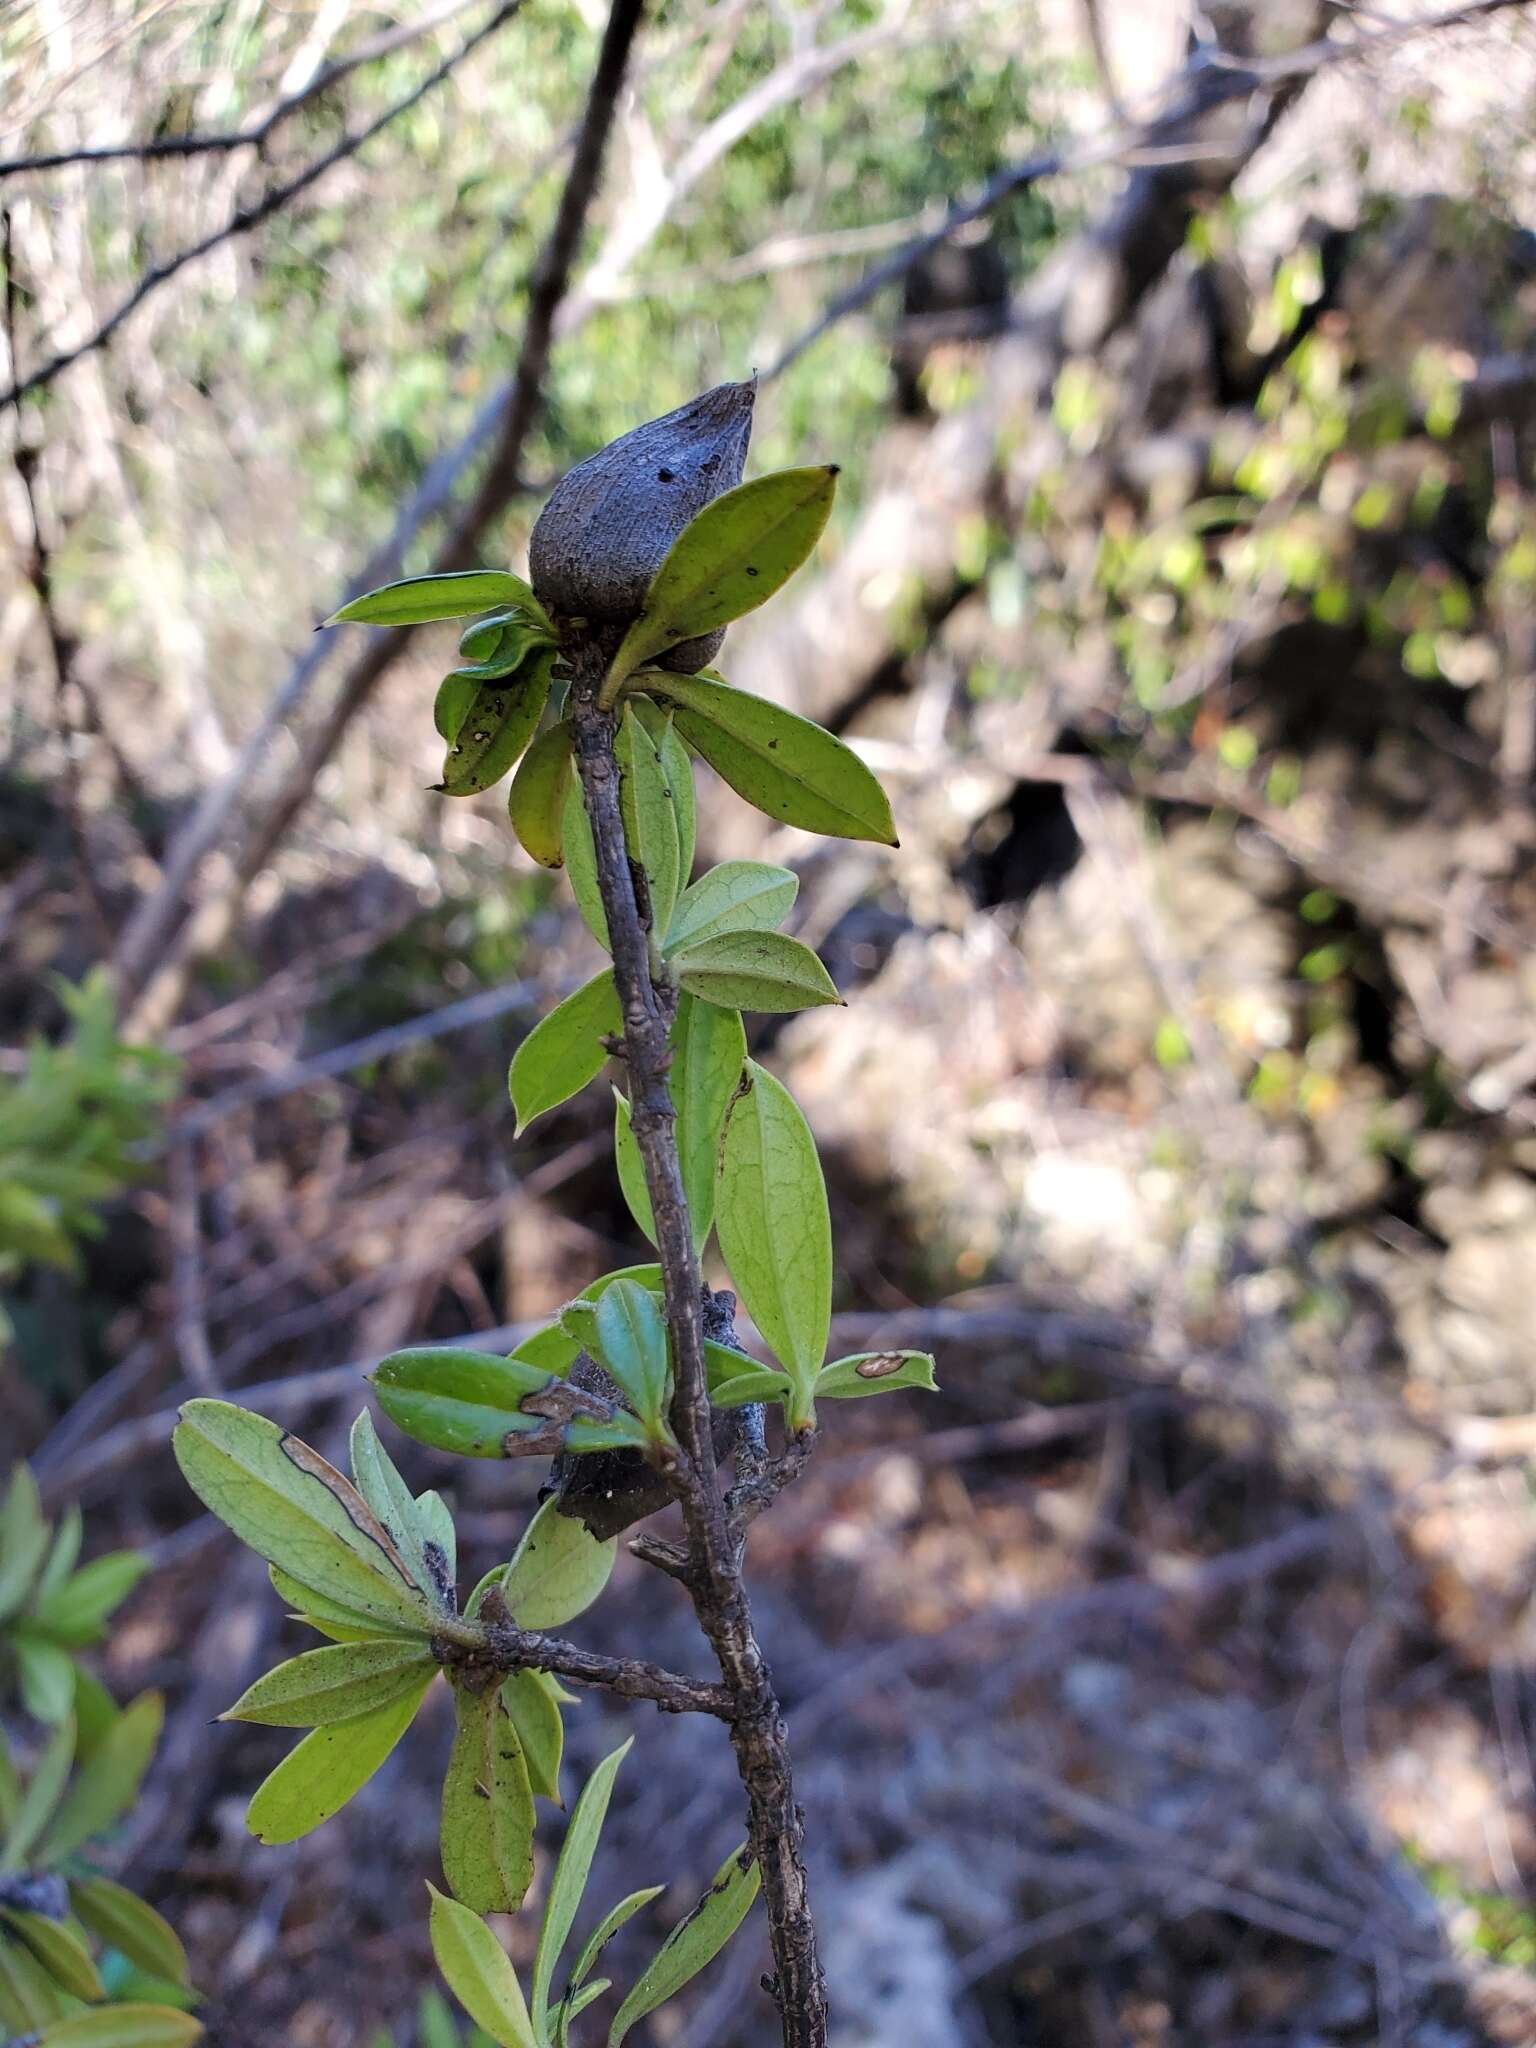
610	521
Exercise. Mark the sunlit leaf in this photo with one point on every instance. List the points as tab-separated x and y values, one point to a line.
565	1050
782	764
694	1943
557	1570
536	800
108	1783
456	1400
502	718
120	1919
486	1831
765	971
570	1877
334	1684
317	1777
736	896
477	1971
415	600
488	637
775	1231
729	559
875	1372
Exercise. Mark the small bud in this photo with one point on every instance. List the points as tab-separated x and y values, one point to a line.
610	521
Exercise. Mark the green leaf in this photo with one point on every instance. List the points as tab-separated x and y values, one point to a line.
335	1684
46	1674
485	638
124	2026
736	896
572	2007
486	1834
553	1349
565	1050
95	1714
477	1971
765	971
294	1509
694	1942
581	862
416	600
10	1788
622	1432
438	1532
709	1053
498	725
379	1482
462	1401
775	1231
875	1372
631	1167
456	694
751	1382
23	1540
62	1954
729	559
44	1790
120	1919
532	1701
650	821
608	1927
330	1617
631	1343
536	799
62	1555
570	1877
74	1612
108	1783
782	764
678	769
28	1995
557	1570
320	1774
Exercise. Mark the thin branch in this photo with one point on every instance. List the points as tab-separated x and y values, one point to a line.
510	1648
382	45
249	217
719	1596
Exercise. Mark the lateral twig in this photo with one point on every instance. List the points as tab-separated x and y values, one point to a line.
510	1648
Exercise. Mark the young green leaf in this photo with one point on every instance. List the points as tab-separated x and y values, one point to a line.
557	1570
608	1927
650	821
486	1833
678	769
875	1372
631	1167
124	2026
694	1943
62	1954
782	764
380	1484
565	1050
775	1230
478	1973
73	1613
581	862
765	971
570	1879
532	1701
416	600
622	1432
23	1540
737	896
46	1674
536	800
729	559
61	1556
498	725
485	638
756	1383
552	1349
631	1345
709	1051
574	2004
108	1783
295	1510
330	1617
456	694
120	1919
37	1803
453	1400
335	1684
317	1777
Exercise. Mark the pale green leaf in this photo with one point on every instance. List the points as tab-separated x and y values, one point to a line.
108	1783
729	559
694	1942
650	821
764	971
320	1774
28	1995
736	896
709	1051
44	1790
295	1510
46	1675
621	1432
565	1050
439	1534
124	2026
23	1540
486	638
378	1480
532	1701
557	1570
330	1617
570	1877
775	1231
874	1372
536	800
477	1971
608	1927
61	1557
631	1167
678	768
74	1612
334	1684
62	1954
581	862
120	1919
552	1350
416	600
572	2007
487	1821
782	764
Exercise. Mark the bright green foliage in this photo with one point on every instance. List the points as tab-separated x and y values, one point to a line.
737	896
650	817
765	971
487	1817
565	1050
557	1570
316	1779
874	1372
692	1944
50	1607
536	800
417	599
532	1700
495	725
463	1401
335	1684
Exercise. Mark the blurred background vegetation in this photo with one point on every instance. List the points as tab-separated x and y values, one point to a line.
1171	1679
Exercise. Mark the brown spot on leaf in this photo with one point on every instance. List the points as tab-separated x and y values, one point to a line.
880	1366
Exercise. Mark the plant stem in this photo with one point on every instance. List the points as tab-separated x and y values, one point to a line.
758	1733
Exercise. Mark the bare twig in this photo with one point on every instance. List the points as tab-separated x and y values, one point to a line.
248	217
510	1648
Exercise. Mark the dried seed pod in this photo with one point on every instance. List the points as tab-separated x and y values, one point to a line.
610	521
